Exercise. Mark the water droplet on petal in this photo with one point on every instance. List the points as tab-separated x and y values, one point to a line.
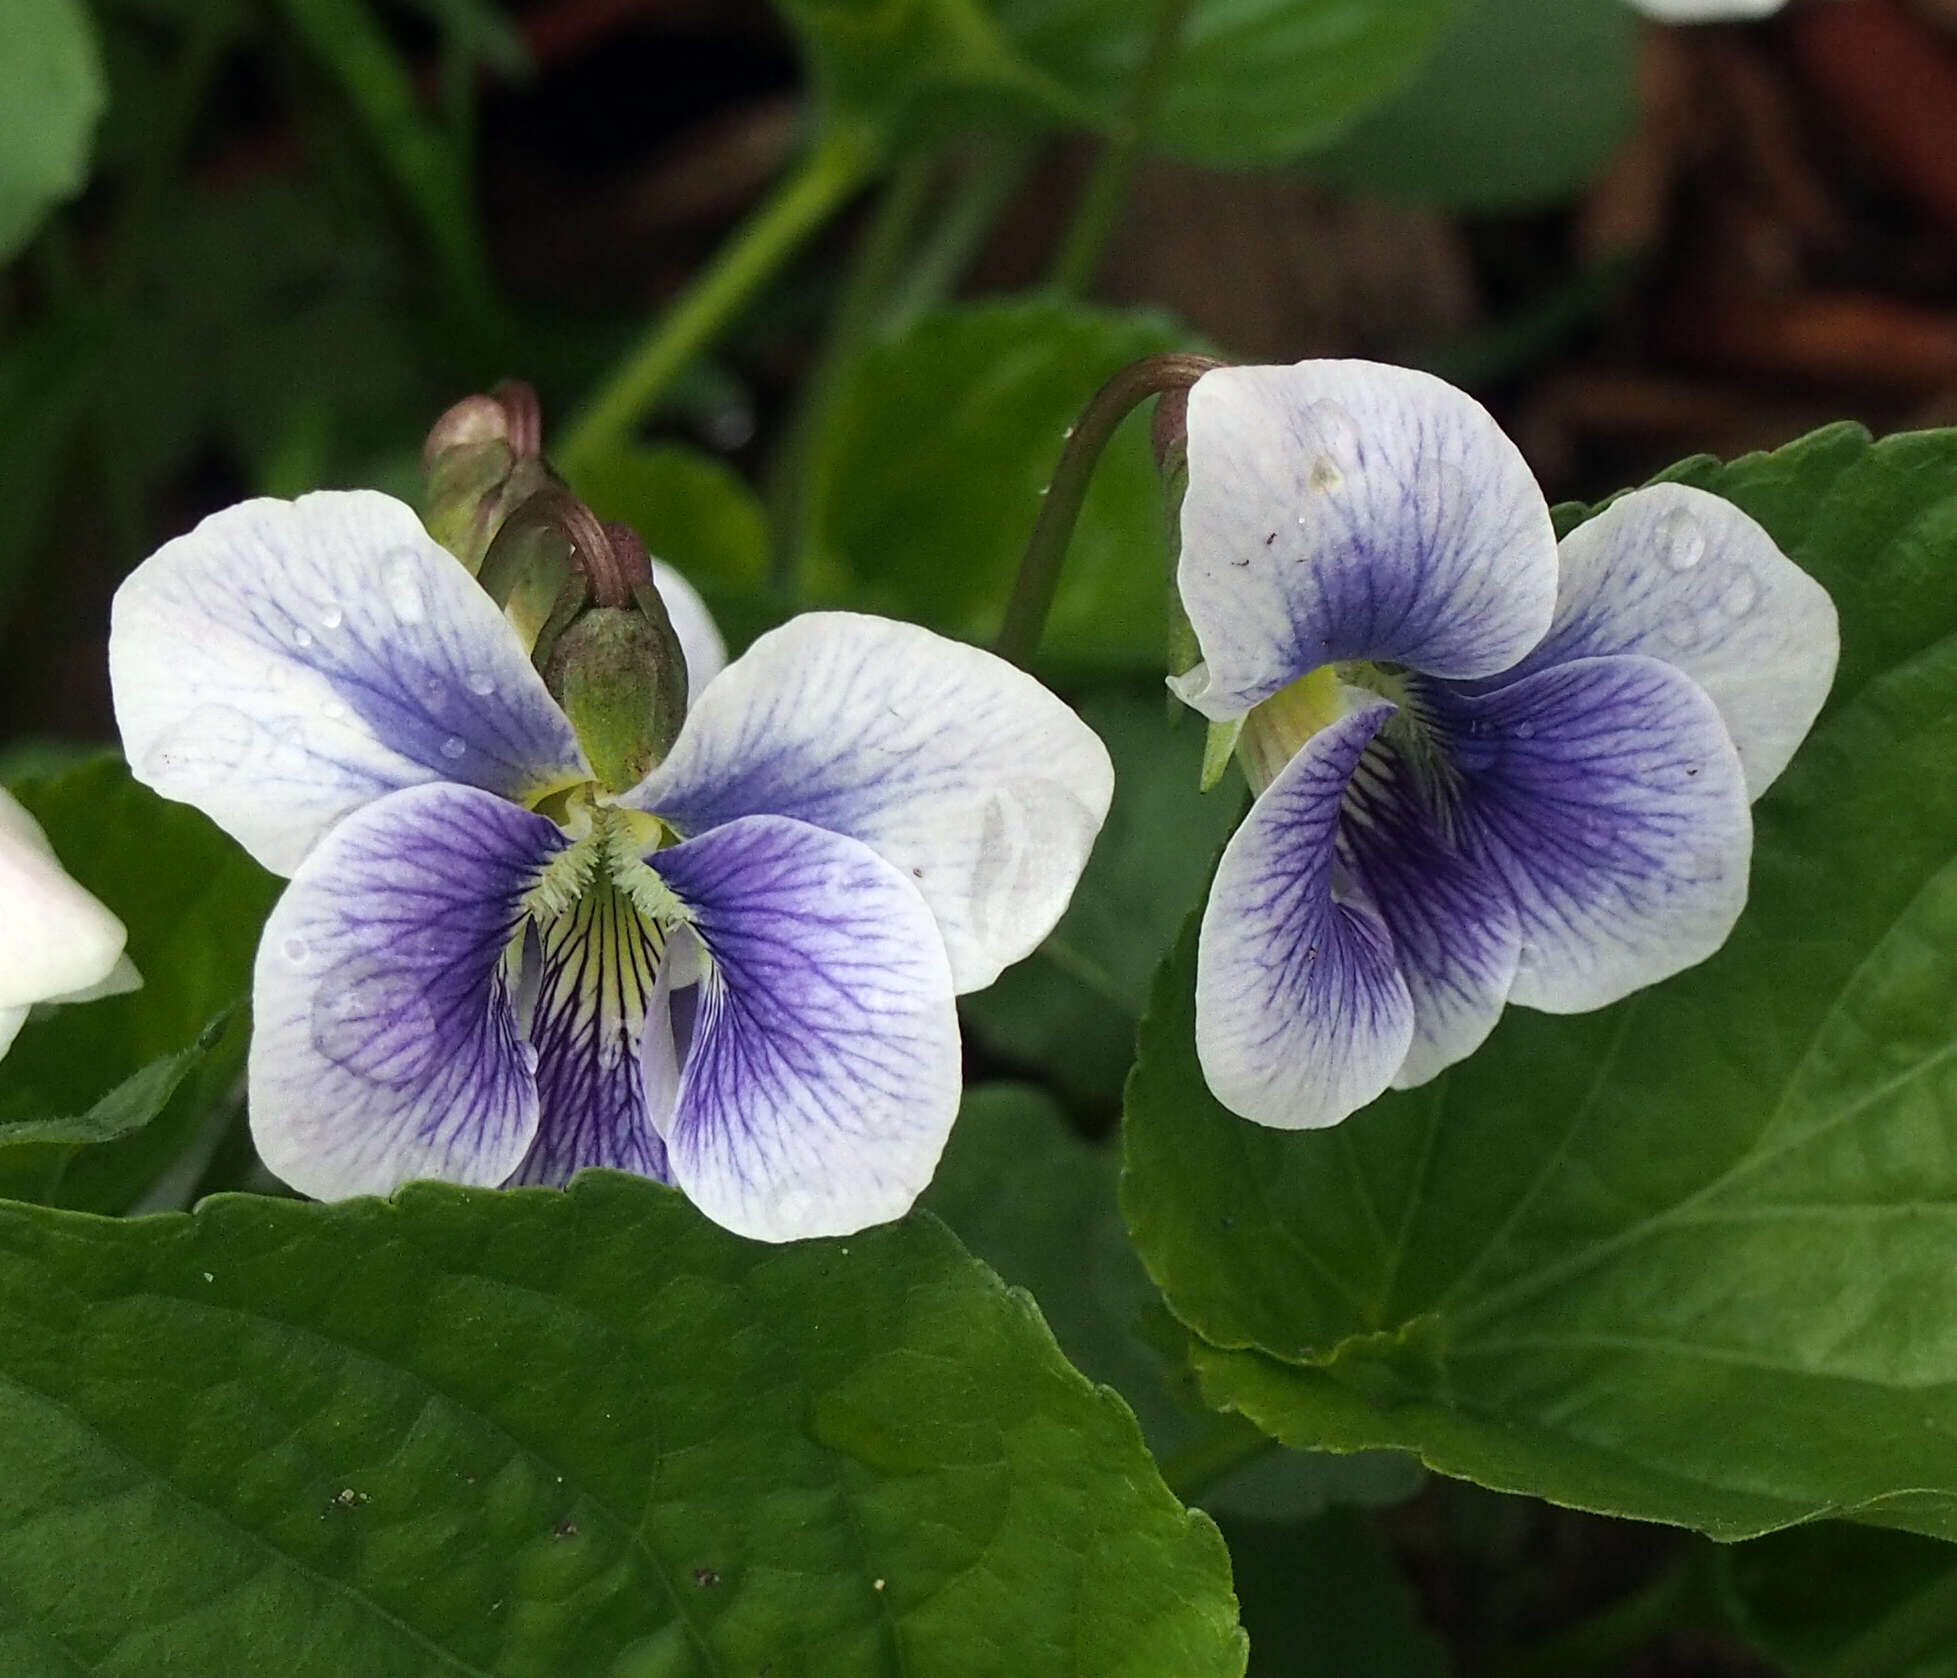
294	950
401	583
481	684
301	636
1681	540
331	617
435	693
792	1206
334	710
1683	631
1525	730
1337	431
454	746
1740	594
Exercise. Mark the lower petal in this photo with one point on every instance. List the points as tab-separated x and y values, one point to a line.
1456	935
824	1069
600	966
385	1045
1609	796
1302	1015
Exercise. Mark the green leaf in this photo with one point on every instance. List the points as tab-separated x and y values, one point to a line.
1687	1258
1037	1203
132	1104
1071	1009
51	92
550	1433
193	903
1324	1600
1810	1599
695	512
926	484
1522	105
1254	81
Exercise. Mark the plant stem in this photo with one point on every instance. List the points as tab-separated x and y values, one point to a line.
1232	1444
1925	1623
1100	205
1046	548
210	34
878	254
833	169
1598	1645
426	169
990	179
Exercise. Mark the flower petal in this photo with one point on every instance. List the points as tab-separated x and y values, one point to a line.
1346	510
1606	793
699	636
384	1044
1681	575
1456	936
824	1070
11	1020
599	978
966	774
55	938
1705	11
290	661
1302	1015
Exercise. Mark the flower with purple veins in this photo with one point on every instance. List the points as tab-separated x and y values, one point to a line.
737	975
1487	770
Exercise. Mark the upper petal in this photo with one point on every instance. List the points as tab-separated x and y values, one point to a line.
384	1041
1681	575
289	661
699	636
55	938
974	780
1302	1015
1606	793
824	1070
1347	510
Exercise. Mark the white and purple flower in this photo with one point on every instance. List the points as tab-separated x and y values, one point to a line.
737	976
1486	771
57	942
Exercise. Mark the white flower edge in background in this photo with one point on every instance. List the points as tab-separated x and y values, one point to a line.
1488	770
1705	11
738	976
57	942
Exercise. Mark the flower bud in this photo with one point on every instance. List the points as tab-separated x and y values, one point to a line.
618	673
580	593
483	459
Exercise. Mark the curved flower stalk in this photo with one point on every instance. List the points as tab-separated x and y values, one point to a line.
1487	771
57	942
737	976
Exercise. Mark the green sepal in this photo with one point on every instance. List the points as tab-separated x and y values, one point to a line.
621	679
472	489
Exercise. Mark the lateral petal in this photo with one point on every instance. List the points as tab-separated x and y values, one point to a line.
1302	1015
824	1069
385	1044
